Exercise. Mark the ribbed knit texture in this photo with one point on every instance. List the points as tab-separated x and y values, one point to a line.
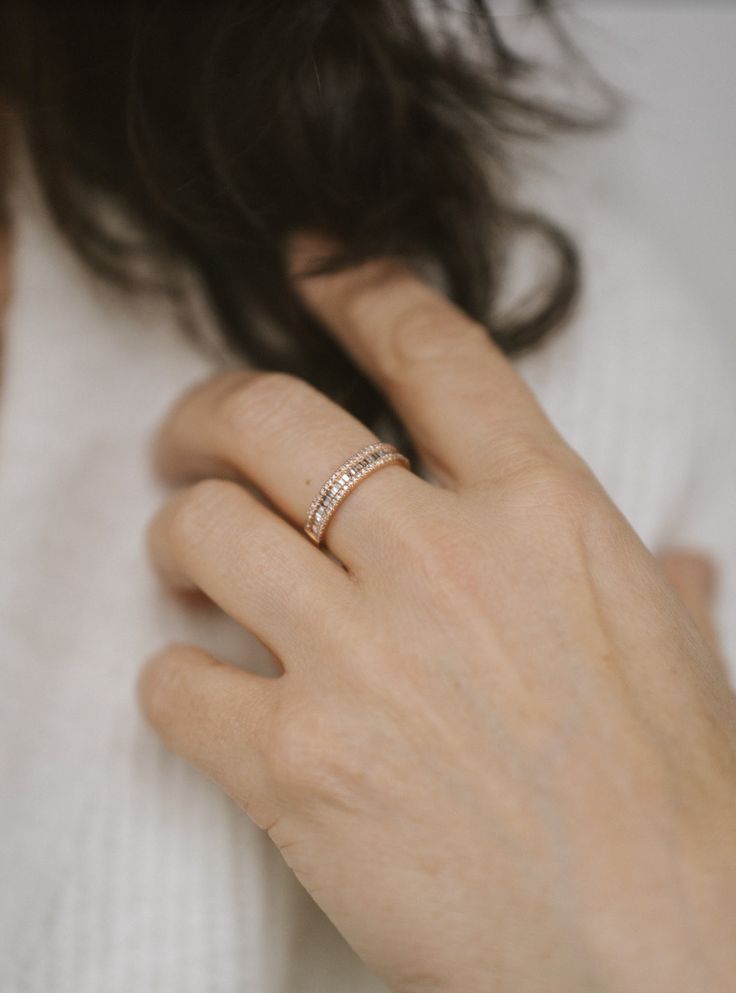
123	871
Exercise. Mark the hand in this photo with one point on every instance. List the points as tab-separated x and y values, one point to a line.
501	755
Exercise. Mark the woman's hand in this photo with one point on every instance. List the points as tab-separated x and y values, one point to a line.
501	755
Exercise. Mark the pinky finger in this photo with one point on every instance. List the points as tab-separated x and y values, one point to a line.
215	716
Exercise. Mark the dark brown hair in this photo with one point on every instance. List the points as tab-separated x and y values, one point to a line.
220	128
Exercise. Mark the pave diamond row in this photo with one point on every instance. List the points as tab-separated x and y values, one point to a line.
343	480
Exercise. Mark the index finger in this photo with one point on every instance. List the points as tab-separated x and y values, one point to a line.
464	404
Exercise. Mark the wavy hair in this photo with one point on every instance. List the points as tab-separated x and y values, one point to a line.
217	130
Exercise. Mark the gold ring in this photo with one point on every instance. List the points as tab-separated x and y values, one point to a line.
343	480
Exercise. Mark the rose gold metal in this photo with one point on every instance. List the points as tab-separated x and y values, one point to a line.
343	481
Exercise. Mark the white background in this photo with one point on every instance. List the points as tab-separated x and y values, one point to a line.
676	63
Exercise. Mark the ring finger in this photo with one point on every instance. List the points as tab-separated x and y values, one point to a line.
286	438
218	538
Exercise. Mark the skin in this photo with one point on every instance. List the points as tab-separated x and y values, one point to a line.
502	752
522	777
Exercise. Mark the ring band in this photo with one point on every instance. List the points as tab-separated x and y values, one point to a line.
343	480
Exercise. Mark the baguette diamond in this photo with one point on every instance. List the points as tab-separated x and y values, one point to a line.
343	480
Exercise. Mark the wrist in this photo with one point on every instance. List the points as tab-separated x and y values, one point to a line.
661	923
672	928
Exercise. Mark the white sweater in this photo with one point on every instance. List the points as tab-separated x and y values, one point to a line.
121	869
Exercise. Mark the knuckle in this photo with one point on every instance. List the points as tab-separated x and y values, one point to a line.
555	486
439	549
419	543
159	685
195	509
522	453
448	567
292	753
262	400
312	760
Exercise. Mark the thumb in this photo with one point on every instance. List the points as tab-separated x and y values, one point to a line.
694	576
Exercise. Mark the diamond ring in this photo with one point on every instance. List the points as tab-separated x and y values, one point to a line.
343	480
